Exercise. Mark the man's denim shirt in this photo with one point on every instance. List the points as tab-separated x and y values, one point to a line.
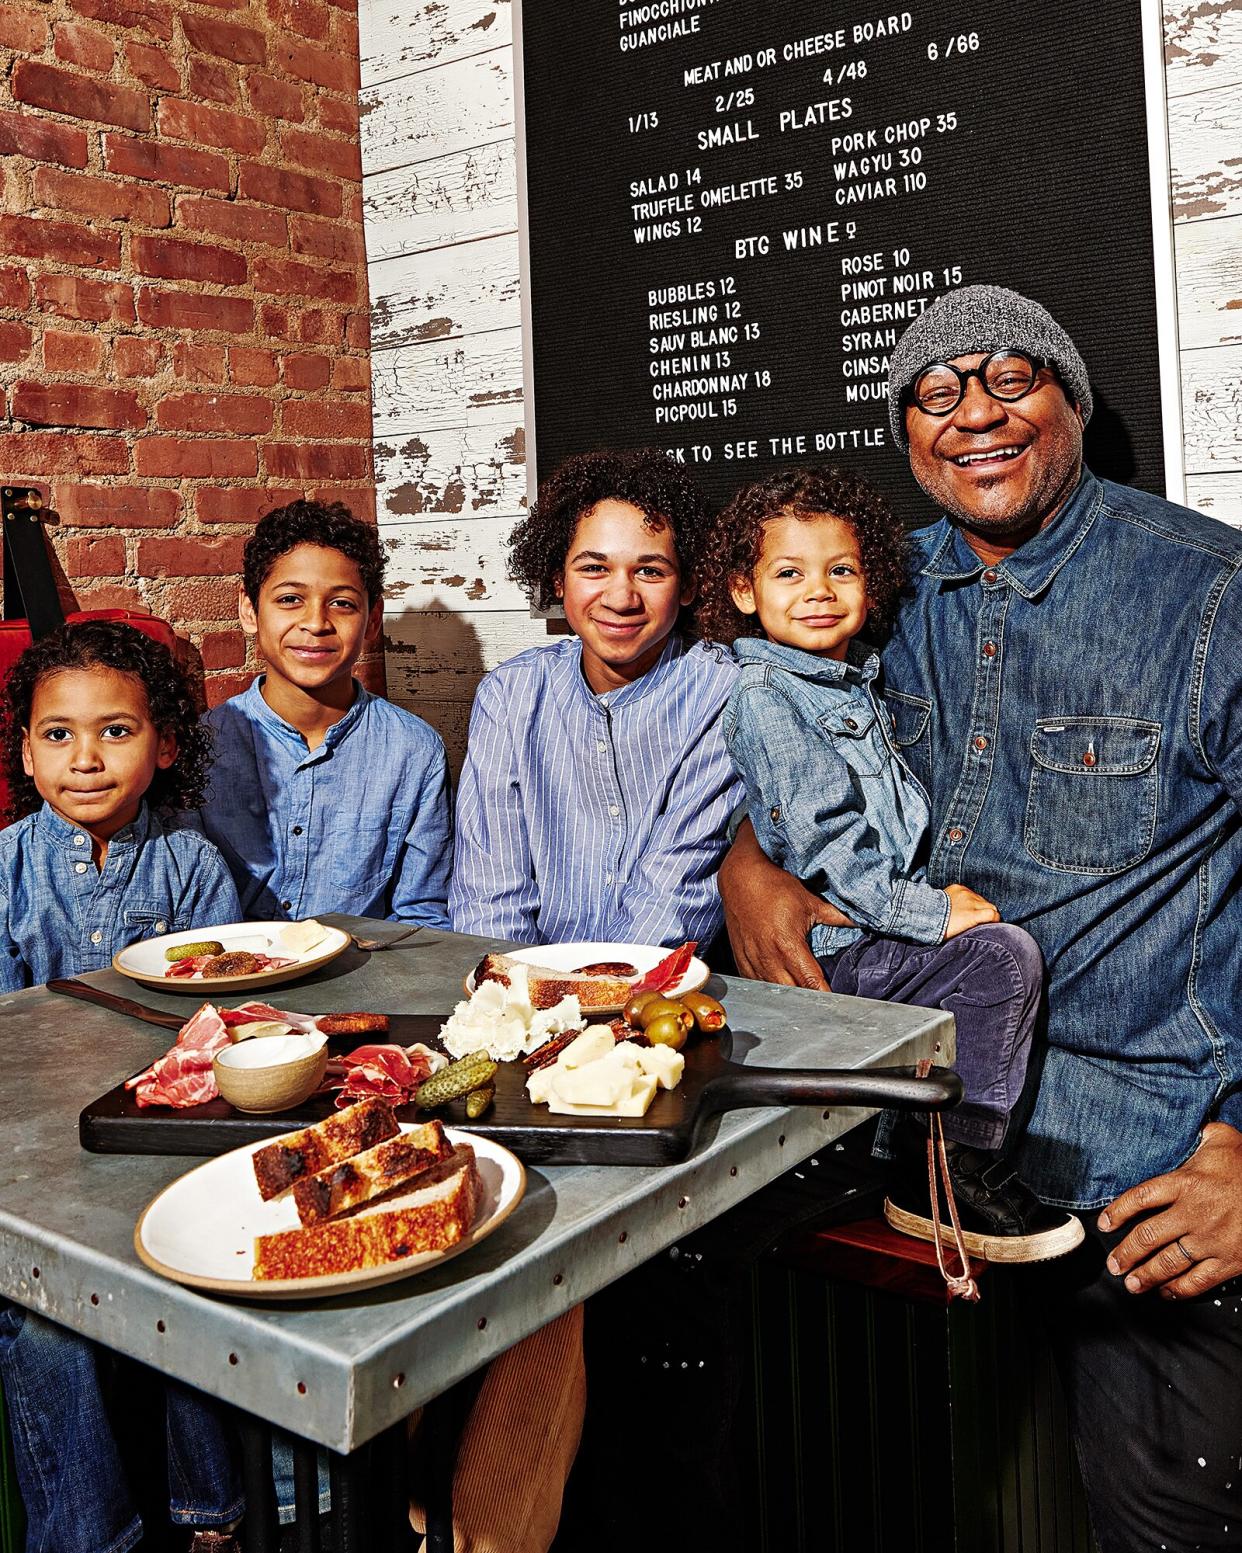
1074	713
827	796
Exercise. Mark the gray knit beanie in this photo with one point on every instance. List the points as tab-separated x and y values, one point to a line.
981	318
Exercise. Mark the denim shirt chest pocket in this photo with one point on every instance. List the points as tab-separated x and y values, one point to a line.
1092	801
911	731
853	729
148	918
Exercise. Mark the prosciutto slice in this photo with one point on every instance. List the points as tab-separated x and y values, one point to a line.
391	1072
183	1076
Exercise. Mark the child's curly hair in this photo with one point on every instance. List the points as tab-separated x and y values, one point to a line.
330	525
735	541
171	702
647	479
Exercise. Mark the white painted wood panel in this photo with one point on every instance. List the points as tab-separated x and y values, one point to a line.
468	288
1220	496
400	39
472	380
450	199
442	655
1202	45
459	471
1205	150
447	565
435	112
1212	409
1209	282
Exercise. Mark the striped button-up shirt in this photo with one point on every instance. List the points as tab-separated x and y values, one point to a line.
585	817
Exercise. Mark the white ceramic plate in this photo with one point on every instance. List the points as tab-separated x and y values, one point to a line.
145	962
200	1230
572	957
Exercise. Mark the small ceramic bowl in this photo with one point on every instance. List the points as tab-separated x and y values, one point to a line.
272	1074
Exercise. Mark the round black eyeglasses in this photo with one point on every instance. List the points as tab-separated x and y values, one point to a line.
1006	375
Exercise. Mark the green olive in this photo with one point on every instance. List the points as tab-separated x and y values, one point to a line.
709	1015
667	1030
636	1005
661	1008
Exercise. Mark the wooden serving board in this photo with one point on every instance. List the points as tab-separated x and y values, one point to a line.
115	1124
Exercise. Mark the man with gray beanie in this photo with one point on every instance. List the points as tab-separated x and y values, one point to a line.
1066	682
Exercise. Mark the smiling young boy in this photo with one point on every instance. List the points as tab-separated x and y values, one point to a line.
597	787
324	797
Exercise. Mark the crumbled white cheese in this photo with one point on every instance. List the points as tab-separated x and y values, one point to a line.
500	1021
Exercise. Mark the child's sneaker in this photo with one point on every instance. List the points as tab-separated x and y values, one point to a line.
1002	1219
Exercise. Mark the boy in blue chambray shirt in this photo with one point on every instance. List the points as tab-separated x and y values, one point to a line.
801	562
324	797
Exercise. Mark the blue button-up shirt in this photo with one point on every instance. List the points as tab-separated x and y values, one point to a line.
362	824
61	916
585	817
829	799
1075	713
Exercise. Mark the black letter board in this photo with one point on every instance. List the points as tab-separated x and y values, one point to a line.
734	209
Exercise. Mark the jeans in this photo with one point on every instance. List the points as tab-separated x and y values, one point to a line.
989	978
70	1473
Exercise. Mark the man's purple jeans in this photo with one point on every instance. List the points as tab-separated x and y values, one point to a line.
989	978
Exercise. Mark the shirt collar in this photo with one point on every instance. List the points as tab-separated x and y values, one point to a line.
656	677
257	709
60	834
1031	568
860	664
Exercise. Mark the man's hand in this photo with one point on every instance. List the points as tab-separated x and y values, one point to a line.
769	914
967	910
1196	1241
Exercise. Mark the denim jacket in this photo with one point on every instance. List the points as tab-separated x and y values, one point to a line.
829	799
1075	713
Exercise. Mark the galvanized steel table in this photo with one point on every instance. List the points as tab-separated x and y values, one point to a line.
340	1372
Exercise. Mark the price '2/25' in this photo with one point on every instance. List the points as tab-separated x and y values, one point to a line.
963	43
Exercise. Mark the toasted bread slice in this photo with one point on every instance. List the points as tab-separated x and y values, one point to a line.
357	1023
278	1165
365	1176
430	1218
546	987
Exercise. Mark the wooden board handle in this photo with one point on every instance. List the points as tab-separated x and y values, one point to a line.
118	1005
893	1088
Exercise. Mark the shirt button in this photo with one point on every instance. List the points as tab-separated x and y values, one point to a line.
980	742
989	649
775	813
991	574
297	830
851	724
161	927
601	744
612	809
79	841
285	905
1089	758
955	835
96	937
79	868
607	878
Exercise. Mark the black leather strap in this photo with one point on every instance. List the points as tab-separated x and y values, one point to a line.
29	586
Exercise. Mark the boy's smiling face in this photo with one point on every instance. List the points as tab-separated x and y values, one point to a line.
808	587
91	747
312	620
622	590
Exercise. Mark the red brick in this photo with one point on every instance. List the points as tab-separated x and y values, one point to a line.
223	218
162	163
358	331
27	238
153	66
78	44
240	503
110	596
307	371
223	649
102	197
289	278
275	98
321	66
326	418
133	356
15	340
95	557
307	18
325	153
225	40
351	375
23	29
78	404
292	191
327	239
41	139
41	454
195	310
170	258
196	362
214	82
207	126
150	16
254	368
65	352
189	557
246	414
188	457
61	91
339	114
319	461
14	288
313	326
116	506
220	687
360	500
93	301
204	598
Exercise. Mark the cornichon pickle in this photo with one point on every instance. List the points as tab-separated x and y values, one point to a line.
661	1007
478	1100
709	1015
636	1005
470	1072
184	951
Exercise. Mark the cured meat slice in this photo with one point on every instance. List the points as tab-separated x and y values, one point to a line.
392	1073
183	1076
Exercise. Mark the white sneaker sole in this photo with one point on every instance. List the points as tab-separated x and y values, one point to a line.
1043	1247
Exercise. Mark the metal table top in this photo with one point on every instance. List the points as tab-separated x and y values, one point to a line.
338	1371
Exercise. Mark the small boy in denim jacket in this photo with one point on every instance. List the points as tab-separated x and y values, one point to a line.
800	563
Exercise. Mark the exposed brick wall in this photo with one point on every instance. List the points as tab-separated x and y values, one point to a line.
183	308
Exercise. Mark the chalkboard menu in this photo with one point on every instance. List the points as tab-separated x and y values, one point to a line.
733	209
